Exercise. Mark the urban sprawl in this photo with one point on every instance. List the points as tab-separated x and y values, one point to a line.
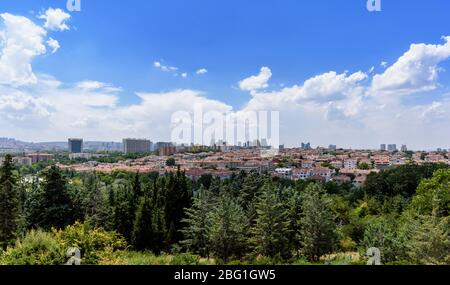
220	160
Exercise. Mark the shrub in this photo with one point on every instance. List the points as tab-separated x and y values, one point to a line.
185	259
36	248
92	242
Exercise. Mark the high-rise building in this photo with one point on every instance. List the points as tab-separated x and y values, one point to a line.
306	146
404	148
392	148
136	146
75	145
383	147
332	147
160	145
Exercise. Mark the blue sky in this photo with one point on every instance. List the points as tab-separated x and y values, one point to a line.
118	42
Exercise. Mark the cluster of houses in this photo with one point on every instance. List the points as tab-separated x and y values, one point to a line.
340	166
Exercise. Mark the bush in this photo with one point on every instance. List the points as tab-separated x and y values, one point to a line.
185	259
92	242
36	248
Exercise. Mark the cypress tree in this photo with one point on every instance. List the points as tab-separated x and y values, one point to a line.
142	236
9	202
55	207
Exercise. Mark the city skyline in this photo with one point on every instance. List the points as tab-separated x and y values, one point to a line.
302	145
343	77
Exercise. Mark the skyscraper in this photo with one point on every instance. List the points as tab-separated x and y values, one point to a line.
383	147
392	148
75	145
136	146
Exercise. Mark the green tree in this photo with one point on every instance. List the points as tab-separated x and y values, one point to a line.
124	208
177	198
143	226
96	202
55	206
171	162
318	229
270	232
195	232
385	235
226	229
433	195
9	202
364	166
430	241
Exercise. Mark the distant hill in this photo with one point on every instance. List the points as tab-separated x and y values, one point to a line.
11	144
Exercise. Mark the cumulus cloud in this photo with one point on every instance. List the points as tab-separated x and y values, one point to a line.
257	82
55	19
21	41
54	44
165	68
350	109
415	71
90	85
202	71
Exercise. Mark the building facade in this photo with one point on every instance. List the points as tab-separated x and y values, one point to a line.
136	146
75	145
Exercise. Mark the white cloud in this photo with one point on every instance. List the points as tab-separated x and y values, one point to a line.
202	71
165	68
55	19
21	41
54	44
415	71
90	85
332	107
257	82
184	75
384	64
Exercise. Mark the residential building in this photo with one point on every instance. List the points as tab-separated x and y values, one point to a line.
40	157
287	172
75	145
167	150
351	163
392	148
22	160
136	146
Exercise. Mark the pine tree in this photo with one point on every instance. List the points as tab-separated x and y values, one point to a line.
9	203
293	205
196	221
270	232
55	208
96	202
178	197
318	229
430	241
124	209
226	229
143	235
137	189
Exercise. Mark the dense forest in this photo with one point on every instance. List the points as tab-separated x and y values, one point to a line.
132	218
